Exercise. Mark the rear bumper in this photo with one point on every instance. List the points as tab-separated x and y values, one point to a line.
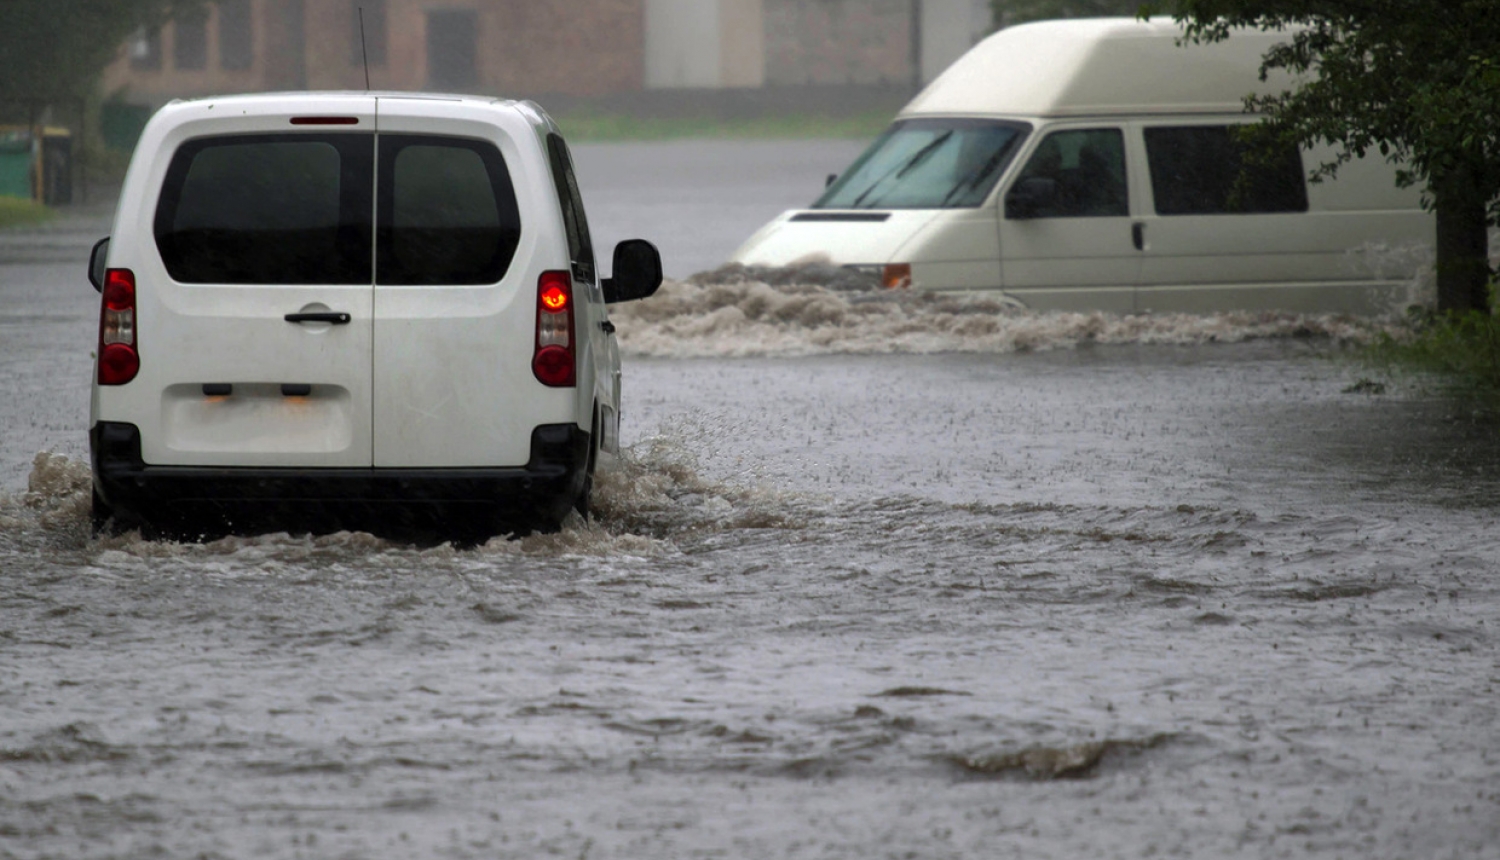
537	494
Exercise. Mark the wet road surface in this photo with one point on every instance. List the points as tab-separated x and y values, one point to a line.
877	579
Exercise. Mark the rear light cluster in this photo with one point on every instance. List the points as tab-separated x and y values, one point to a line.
555	360
119	361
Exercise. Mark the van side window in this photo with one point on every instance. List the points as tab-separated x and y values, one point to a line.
1202	170
447	212
268	209
1081	173
580	244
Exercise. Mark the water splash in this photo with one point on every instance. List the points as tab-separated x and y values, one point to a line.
734	314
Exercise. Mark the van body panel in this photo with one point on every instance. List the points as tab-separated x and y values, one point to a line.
204	333
842	238
1352	243
959	248
1099	67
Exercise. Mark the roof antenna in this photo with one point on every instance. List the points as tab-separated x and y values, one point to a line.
364	51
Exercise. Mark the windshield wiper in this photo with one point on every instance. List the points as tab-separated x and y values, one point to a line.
906	167
984	171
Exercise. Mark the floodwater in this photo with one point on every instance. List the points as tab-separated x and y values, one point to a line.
878	577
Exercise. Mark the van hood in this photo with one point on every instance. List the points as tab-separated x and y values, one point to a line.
839	237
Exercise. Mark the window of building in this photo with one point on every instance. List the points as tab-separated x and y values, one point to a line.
190	40
145	50
368	36
451	38
1204	170
236	35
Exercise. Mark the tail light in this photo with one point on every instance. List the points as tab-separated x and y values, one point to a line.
555	361
119	360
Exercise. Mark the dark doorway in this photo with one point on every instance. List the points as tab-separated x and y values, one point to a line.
451	39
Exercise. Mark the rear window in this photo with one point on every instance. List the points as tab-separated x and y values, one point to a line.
268	209
448	212
1205	170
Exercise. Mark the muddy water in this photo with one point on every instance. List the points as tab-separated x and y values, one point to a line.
1099	601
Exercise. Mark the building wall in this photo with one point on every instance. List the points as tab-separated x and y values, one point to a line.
838	42
521	48
705	43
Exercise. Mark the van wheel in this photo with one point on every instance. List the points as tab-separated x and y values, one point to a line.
107	520
585	496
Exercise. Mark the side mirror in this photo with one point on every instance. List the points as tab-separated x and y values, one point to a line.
97	259
832	178
1030	197
636	272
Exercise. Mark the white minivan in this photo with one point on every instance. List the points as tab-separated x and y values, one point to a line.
1093	164
331	309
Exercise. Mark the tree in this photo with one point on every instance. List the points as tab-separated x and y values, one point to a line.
52	50
1419	83
1009	12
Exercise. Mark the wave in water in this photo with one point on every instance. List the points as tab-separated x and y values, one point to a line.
644	503
737	312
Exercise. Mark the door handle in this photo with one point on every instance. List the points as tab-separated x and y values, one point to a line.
609	327
1138	235
335	317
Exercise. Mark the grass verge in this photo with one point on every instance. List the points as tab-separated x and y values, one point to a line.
15	212
606	128
1459	352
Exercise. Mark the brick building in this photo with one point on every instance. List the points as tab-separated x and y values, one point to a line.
523	47
526	48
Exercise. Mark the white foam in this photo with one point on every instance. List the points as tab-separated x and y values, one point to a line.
747	317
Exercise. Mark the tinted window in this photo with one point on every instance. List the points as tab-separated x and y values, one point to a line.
448	213
580	244
1086	172
927	164
269	209
1203	170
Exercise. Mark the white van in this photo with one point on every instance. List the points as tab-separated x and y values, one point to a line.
1090	164
331	309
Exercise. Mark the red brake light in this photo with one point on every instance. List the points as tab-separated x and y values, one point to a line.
119	360
119	289
554	362
554	299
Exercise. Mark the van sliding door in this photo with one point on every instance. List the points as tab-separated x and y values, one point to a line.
1224	231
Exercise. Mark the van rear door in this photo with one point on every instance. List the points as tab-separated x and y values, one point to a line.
255	316
456	290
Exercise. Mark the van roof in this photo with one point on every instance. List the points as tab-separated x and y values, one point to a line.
1101	66
278	102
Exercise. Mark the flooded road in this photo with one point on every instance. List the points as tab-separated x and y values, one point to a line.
879	577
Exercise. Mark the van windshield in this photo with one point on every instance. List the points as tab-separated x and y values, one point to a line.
928	164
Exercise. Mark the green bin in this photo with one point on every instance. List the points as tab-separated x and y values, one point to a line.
15	166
